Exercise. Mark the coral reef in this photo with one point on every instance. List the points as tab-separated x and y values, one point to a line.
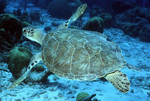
94	24
120	6
134	22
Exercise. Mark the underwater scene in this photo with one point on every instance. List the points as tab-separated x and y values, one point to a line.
74	50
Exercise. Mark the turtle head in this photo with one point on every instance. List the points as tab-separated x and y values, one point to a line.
33	34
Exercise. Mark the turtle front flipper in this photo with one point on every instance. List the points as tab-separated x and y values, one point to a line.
34	60
78	13
74	17
119	80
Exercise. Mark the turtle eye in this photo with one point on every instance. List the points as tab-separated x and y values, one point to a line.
24	30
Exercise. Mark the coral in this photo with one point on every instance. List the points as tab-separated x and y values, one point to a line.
10	31
18	60
94	24
107	18
63	8
83	96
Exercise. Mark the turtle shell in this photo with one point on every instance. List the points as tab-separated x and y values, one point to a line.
80	55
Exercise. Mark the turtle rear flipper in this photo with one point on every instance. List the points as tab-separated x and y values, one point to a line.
34	60
119	80
132	67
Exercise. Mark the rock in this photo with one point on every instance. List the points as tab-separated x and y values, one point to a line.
140	21
145	33
63	8
89	98
132	14
131	29
39	73
132	21
18	60
94	24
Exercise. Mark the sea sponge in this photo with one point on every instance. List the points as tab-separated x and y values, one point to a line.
11	29
81	96
18	61
94	24
107	18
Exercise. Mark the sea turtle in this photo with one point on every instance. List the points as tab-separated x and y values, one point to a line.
78	54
